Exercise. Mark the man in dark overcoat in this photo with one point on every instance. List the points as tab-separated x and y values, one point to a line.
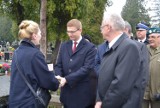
119	70
75	62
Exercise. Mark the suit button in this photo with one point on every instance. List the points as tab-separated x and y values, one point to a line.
70	59
70	70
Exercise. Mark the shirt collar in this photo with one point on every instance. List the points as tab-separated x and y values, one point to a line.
114	40
78	40
142	40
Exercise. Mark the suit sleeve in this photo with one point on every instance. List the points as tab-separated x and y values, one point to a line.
58	66
125	75
97	61
45	78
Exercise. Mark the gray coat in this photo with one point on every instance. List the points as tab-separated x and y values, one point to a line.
118	75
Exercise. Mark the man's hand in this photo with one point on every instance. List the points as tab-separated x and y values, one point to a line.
98	104
58	78
61	80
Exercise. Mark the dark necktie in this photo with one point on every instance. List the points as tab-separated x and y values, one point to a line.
74	47
107	46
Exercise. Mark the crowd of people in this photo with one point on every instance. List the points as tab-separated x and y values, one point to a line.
122	72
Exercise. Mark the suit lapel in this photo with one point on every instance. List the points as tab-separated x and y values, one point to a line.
80	45
119	41
69	47
116	44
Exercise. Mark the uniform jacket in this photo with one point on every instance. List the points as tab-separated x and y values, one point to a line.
146	42
76	68
118	75
153	87
33	65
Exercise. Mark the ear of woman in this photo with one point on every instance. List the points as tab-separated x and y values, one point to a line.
34	36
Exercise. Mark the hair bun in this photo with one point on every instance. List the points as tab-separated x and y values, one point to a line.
24	25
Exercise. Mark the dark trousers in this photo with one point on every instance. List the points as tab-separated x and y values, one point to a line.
90	106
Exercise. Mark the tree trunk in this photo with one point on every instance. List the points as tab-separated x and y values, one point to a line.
43	42
56	50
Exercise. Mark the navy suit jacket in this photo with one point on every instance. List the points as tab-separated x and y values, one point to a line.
146	42
101	49
76	68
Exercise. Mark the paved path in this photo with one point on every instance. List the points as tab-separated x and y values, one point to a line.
4	85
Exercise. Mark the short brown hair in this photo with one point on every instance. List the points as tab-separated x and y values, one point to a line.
74	23
27	28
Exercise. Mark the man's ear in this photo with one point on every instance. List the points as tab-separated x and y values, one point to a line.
80	30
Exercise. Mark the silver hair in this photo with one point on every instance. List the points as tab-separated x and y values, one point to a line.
114	20
127	25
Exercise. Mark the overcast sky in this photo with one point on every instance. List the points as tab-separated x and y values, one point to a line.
117	6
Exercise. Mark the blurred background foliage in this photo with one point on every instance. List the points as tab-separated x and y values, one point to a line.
59	12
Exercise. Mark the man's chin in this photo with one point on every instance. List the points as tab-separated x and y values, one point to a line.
72	39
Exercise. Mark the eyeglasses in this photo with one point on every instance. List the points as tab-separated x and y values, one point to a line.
72	31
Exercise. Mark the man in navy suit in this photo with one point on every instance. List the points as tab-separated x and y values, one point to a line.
101	49
73	67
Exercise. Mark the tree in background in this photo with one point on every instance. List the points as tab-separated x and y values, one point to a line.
18	10
154	11
43	26
92	21
5	29
134	12
59	12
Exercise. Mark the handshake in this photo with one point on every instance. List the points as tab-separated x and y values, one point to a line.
61	80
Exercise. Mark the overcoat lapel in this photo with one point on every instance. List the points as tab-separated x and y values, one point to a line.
69	47
80	45
119	41
116	44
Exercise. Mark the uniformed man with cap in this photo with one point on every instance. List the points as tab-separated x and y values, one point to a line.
152	92
141	30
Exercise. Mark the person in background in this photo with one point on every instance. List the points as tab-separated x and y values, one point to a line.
101	49
141	32
87	37
152	92
74	65
119	69
128	30
144	67
33	66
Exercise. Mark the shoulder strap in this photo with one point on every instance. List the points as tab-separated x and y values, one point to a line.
24	78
